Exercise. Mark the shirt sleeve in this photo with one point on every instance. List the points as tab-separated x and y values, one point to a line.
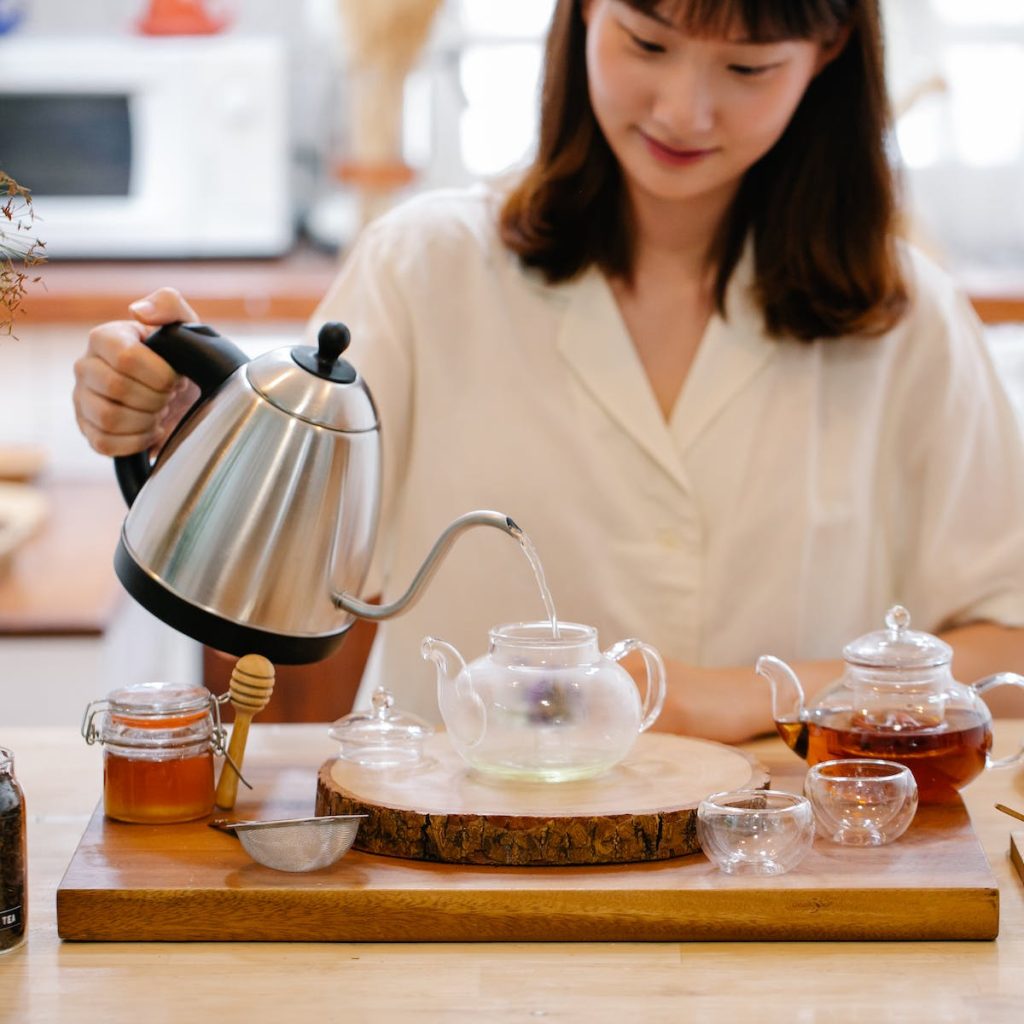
367	298
965	481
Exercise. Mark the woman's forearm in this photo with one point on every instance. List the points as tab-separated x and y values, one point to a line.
733	704
984	648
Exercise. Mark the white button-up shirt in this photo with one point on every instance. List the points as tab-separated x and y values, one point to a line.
795	493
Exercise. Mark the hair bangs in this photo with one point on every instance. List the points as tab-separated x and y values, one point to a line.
757	21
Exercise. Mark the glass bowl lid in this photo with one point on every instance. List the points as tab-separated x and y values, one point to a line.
383	736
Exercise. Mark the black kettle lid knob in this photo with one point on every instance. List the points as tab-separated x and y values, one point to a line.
325	360
333	339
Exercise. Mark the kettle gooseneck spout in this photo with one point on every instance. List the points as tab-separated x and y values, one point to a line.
354	606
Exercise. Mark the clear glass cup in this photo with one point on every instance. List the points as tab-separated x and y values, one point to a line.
755	831
862	801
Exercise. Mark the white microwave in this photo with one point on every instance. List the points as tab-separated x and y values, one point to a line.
138	147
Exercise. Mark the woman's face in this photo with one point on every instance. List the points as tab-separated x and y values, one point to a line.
686	117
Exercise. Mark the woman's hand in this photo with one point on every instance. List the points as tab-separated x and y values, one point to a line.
127	399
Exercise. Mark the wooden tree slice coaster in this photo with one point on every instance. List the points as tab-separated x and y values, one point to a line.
645	809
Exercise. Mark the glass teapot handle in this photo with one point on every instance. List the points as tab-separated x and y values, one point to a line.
654	696
990	683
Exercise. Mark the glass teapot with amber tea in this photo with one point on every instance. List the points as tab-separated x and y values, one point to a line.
897	700
545	704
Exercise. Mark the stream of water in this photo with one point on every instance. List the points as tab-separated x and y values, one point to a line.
538	571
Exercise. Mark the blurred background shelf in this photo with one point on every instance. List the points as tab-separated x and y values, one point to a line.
91	291
998	296
289	288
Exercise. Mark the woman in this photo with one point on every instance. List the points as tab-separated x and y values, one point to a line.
686	353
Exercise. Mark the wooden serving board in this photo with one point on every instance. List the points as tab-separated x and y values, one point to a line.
643	809
192	883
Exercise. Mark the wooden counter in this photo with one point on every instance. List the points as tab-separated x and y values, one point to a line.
717	983
61	584
61	581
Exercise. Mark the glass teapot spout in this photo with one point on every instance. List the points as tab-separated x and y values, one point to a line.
787	696
354	606
464	714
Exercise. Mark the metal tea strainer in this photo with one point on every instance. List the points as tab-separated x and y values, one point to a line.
295	844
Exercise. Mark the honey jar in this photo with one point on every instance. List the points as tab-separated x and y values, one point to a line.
158	744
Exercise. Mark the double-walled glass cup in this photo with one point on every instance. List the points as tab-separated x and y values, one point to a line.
860	801
755	831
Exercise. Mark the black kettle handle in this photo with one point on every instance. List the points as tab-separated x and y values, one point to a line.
197	352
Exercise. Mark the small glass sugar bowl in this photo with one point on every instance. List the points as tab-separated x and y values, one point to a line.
862	801
755	831
383	736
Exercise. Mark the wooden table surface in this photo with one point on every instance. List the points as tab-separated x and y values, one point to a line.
47	980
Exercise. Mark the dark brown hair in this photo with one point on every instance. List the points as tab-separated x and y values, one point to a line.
820	206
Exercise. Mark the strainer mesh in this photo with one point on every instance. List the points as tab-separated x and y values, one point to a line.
300	845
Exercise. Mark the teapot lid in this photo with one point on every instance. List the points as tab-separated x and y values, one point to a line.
382	737
898	646
316	384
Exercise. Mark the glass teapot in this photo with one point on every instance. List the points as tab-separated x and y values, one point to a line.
897	700
545	704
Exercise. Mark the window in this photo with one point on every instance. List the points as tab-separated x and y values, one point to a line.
485	80
957	75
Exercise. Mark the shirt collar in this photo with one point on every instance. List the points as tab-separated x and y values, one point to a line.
596	345
733	351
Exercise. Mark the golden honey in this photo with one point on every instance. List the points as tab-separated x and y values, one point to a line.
157	791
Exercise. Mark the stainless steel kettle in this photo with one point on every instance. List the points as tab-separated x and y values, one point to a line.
253	530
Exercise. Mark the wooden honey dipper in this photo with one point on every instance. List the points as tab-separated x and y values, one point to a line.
252	682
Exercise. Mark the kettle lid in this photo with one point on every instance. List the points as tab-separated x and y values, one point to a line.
898	646
315	384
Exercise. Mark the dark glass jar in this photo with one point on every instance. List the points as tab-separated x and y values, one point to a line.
13	861
158	744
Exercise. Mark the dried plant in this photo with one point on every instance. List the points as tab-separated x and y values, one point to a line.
20	250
